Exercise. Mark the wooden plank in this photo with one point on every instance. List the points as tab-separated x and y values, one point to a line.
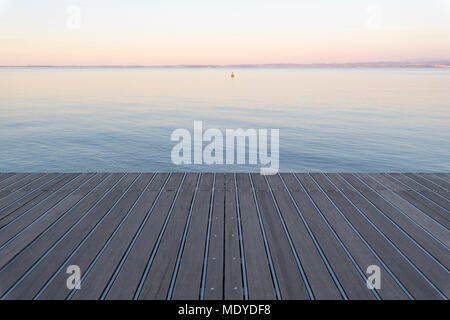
206	182
322	183
259	278
319	278
16	195
101	273
435	178
38	248
356	245
307	183
85	254
427	207
441	177
420	202
416	285
346	272
30	284
10	182
29	234
27	203
189	276
21	205
422	219
400	222
419	257
26	191
224	278
142	184
39	184
17	267
229	182
442	203
368	179
129	276
233	279
445	194
407	182
290	181
427	183
288	239
389	182
4	176
20	184
65	185
174	182
416	182
166	254
52	198
220	181
213	279
288	273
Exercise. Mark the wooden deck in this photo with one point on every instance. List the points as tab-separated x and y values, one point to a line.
224	236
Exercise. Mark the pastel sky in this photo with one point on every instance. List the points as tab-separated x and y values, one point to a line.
168	32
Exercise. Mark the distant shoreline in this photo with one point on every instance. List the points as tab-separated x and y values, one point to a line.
444	64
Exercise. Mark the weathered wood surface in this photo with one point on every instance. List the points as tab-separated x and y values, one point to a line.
224	236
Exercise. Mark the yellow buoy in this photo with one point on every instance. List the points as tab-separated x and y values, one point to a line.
232	75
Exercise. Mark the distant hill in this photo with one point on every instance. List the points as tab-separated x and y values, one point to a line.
381	64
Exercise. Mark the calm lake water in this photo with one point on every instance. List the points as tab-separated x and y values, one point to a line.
98	119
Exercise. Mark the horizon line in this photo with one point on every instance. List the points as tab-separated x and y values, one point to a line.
431	63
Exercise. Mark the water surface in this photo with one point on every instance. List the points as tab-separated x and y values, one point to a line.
100	119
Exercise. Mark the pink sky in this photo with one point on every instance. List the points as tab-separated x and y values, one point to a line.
137	32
